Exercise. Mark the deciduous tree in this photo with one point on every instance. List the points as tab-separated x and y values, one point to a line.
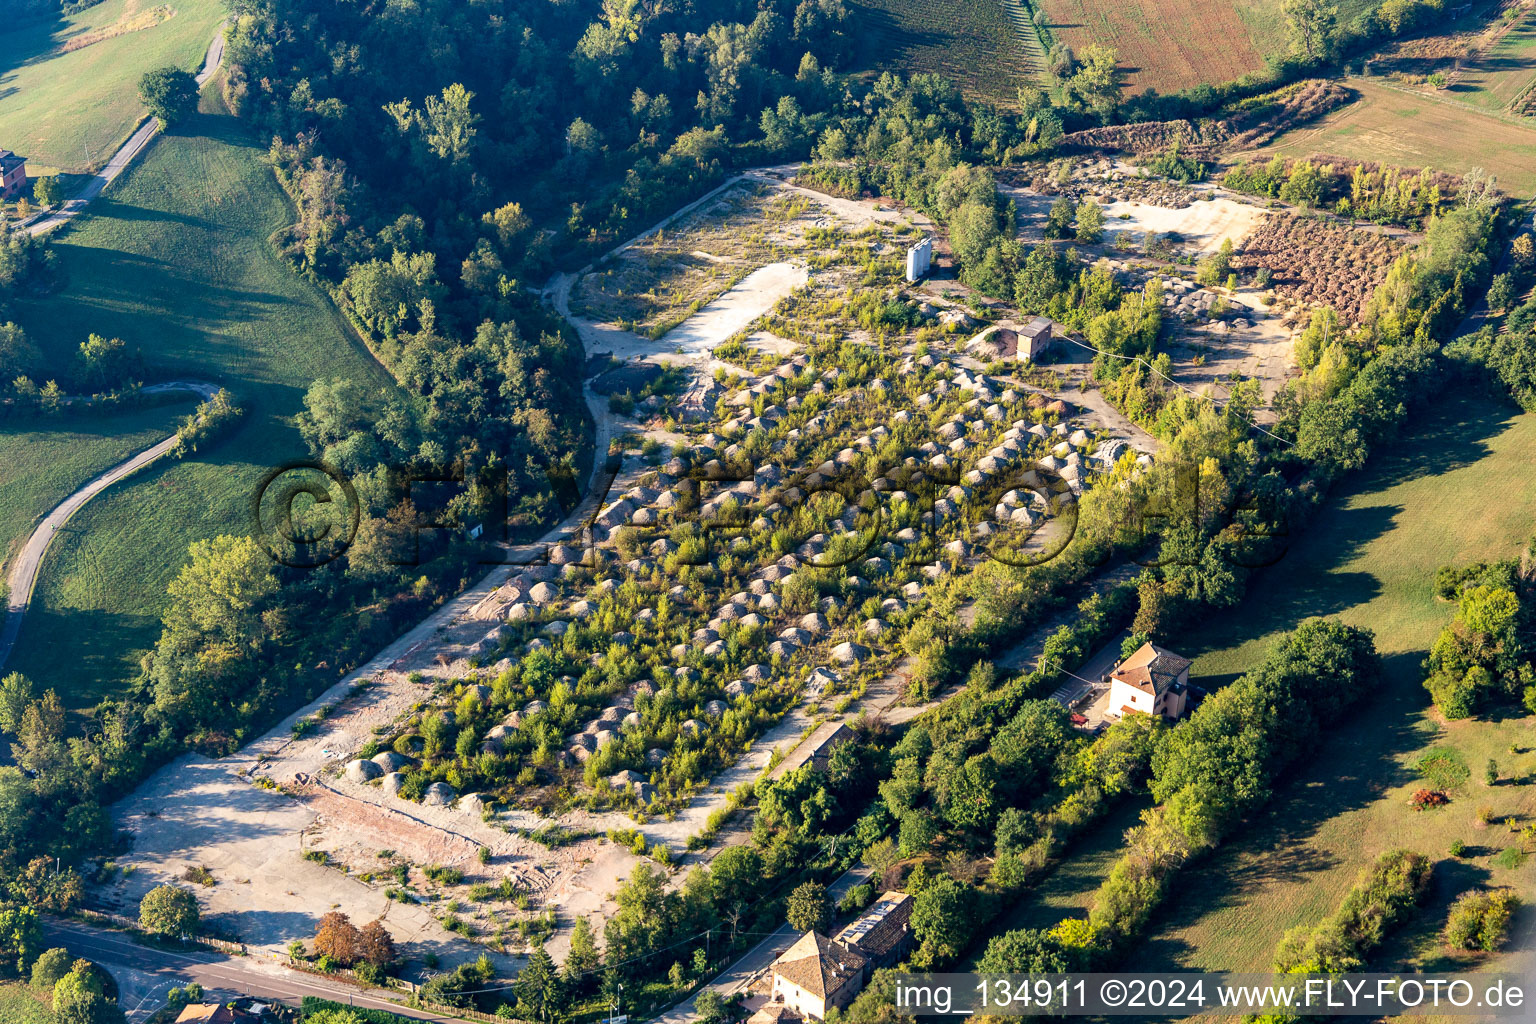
808	910
169	910
170	94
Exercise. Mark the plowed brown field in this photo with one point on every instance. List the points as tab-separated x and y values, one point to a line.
1164	44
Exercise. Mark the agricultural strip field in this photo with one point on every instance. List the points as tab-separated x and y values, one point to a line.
1455	490
1170	45
1410	129
174	259
42	463
1505	74
976	44
70	87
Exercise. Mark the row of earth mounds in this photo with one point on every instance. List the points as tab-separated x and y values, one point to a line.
1248	124
1320	260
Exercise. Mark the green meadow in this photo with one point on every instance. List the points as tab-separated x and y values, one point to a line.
69	88
1456	489
174	259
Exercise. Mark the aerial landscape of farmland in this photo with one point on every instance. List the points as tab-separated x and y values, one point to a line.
642	511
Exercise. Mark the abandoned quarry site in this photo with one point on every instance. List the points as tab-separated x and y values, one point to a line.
311	817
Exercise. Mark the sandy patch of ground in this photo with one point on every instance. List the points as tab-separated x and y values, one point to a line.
767	341
197	812
757	293
1203	225
696	337
1262	350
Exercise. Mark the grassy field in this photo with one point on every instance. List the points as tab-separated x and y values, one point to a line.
1410	129
43	463
175	260
1454	492
1496	79
19	1006
977	44
71	85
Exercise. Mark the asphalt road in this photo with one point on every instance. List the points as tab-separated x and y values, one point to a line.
126	154
23	574
153	971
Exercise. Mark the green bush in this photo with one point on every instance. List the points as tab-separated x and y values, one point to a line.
856	899
1480	920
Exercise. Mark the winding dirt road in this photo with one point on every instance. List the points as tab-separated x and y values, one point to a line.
23	574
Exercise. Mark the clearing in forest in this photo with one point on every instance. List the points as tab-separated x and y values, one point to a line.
69	87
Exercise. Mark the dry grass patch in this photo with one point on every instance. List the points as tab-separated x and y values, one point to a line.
132	20
667	276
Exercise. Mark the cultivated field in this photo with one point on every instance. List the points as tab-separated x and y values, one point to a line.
1320	260
174	260
43	463
977	45
1453	492
69	88
1409	129
1170	45
1501	78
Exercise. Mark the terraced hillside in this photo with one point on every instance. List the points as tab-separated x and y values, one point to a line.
987	47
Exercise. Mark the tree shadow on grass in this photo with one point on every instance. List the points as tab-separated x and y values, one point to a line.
1455	434
84	654
34	40
1358	759
1418	944
115	209
1307	581
1302	584
216	127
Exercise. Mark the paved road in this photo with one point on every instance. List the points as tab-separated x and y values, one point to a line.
23	574
150	972
126	154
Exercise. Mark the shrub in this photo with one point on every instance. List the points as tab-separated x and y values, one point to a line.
1424	799
1480	920
856	899
169	910
1384	896
443	875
